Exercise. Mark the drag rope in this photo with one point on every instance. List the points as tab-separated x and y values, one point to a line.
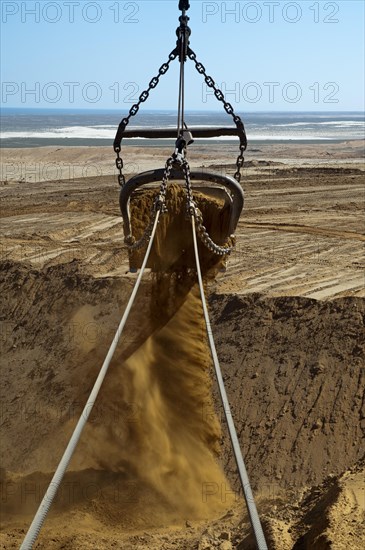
48	498
245	482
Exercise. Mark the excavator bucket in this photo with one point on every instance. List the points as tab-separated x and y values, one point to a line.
218	197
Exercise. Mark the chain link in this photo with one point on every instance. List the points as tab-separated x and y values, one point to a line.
119	165
193	210
134	110
239	163
229	110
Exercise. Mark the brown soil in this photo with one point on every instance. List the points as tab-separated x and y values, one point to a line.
288	319
172	248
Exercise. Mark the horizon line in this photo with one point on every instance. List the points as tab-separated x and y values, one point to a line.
174	110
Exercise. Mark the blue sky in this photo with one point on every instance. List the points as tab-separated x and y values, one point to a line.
266	55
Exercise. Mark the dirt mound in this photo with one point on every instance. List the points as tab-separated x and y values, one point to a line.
333	514
293	369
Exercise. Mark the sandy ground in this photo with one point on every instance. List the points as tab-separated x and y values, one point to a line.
301	233
288	317
51	163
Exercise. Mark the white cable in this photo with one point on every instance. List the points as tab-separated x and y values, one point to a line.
48	498
245	482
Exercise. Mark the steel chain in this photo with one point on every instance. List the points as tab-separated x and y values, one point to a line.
193	209
229	110
159	204
134	110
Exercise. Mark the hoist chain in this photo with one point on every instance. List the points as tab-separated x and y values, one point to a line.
229	110
182	50
192	209
159	204
145	95
134	110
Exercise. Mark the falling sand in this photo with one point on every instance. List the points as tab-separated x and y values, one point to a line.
167	436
